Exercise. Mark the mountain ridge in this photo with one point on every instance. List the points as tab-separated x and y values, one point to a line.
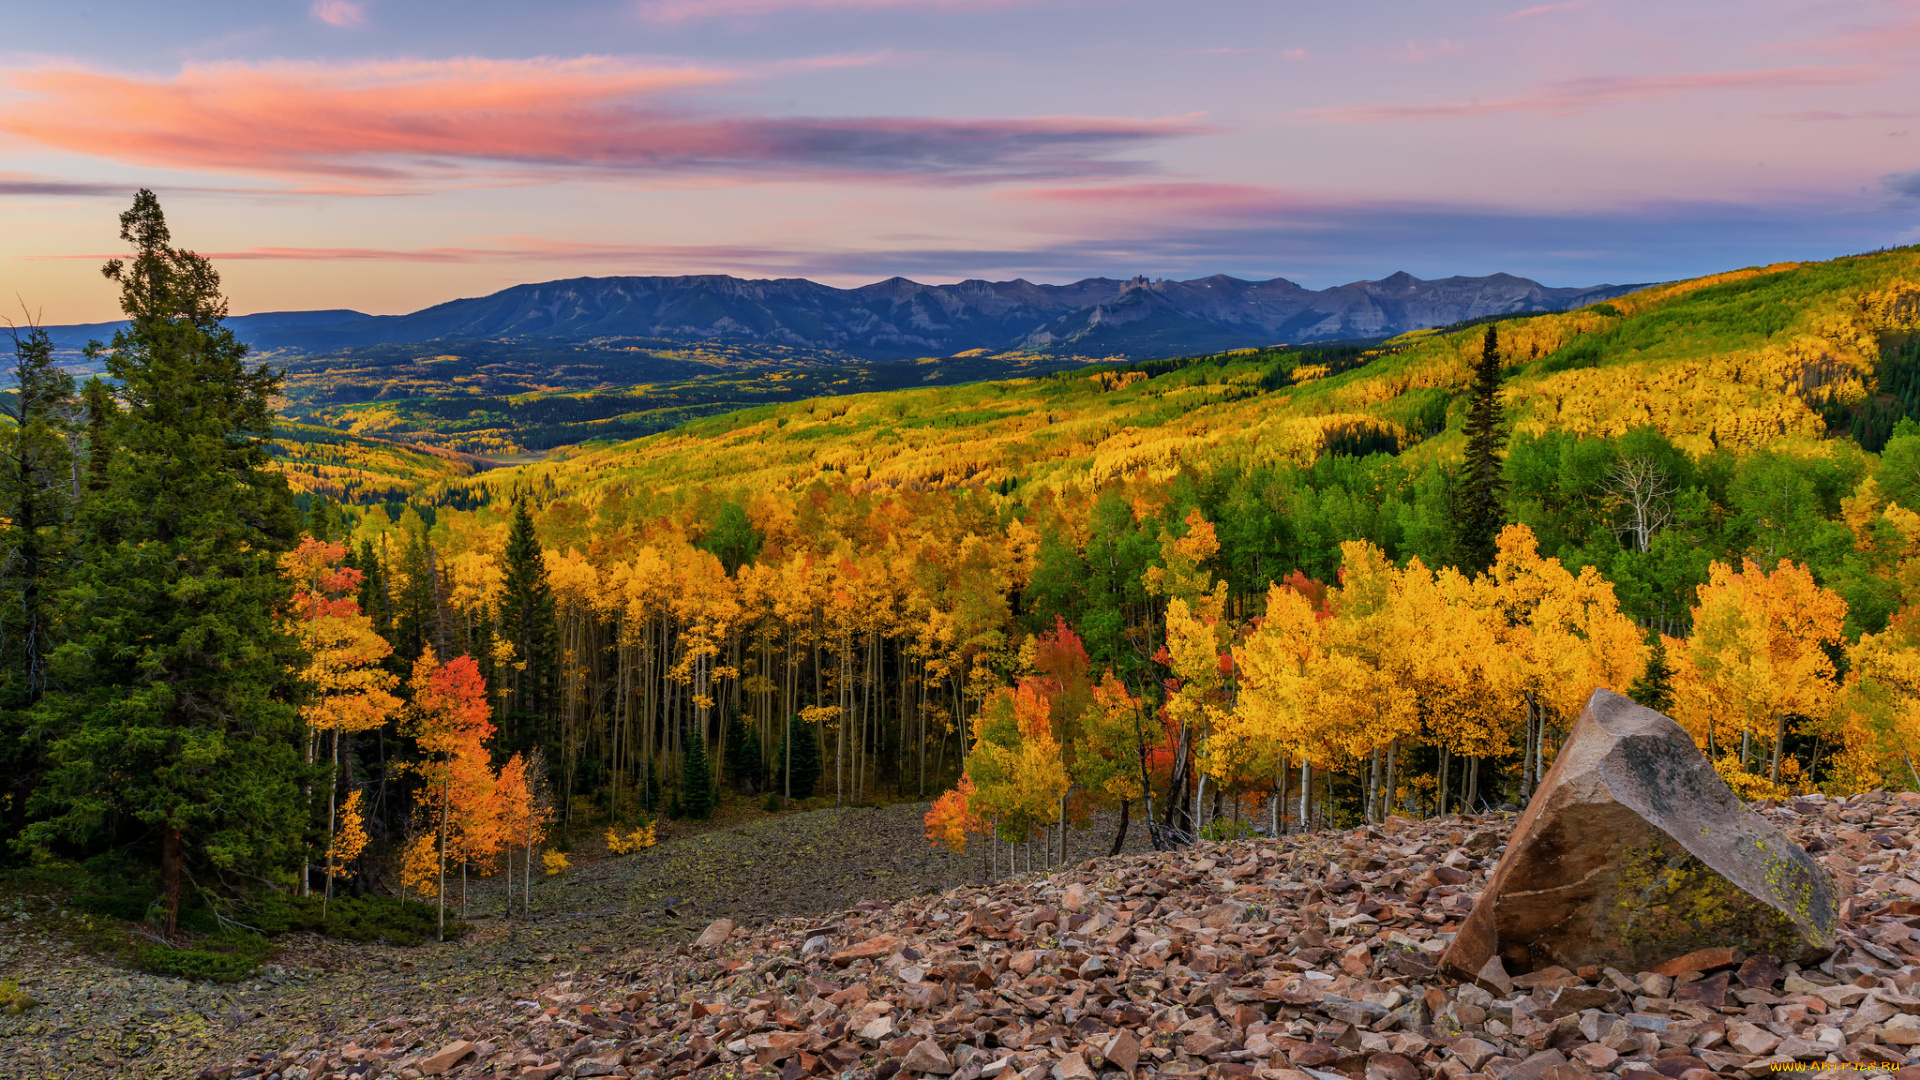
898	318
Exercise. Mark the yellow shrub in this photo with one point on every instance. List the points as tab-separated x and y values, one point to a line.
555	863
1751	786
642	837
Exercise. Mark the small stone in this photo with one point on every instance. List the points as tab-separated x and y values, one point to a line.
1123	1051
927	1057
1357	961
1750	1039
1492	978
1473	1053
1596	1056
1391	1066
448	1056
716	933
1710	992
1075	897
1759	972
1072	1067
1801	1049
1701	960
877	1030
878	945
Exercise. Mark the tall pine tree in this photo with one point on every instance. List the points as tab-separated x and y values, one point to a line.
799	760
1477	509
168	720
743	752
697	795
39	487
528	622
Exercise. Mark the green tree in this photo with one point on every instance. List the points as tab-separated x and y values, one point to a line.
697	796
167	716
743	751
527	620
38	490
733	539
1654	688
1478	513
799	760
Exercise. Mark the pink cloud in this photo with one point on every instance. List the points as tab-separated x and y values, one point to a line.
1576	94
691	10
345	14
1543	9
366	125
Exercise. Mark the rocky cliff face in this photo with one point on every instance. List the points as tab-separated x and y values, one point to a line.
901	319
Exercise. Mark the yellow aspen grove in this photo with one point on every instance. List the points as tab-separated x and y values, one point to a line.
1559	635
1280	665
1876	714
1368	701
1757	656
1452	647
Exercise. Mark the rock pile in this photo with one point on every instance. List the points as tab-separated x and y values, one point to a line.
1307	958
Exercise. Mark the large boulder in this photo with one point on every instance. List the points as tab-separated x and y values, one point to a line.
1632	852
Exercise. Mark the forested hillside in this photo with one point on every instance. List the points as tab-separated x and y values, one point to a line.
1305	585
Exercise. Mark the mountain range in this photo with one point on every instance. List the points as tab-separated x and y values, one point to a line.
901	319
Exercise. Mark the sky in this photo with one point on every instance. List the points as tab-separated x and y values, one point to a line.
385	155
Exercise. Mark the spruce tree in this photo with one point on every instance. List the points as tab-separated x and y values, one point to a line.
801	770
743	751
697	796
37	497
1654	688
528	621
1477	511
168	718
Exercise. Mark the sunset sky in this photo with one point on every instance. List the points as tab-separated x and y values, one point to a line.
385	155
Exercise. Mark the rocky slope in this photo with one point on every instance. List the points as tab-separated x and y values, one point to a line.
902	319
1307	958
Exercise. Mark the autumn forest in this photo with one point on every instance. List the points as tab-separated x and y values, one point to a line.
1265	591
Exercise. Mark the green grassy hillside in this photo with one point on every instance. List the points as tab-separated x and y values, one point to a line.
1792	353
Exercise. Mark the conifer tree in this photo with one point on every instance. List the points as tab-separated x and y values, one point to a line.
38	486
528	622
1655	688
1477	511
743	751
697	796
168	715
799	760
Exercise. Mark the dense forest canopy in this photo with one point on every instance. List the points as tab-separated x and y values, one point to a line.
1309	585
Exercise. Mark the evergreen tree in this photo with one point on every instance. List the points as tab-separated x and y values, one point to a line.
1654	688
167	717
415	621
373	590
743	751
650	785
1477	511
528	621
102	410
801	771
38	490
697	796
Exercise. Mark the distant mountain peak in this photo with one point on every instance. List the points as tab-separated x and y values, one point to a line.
899	318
